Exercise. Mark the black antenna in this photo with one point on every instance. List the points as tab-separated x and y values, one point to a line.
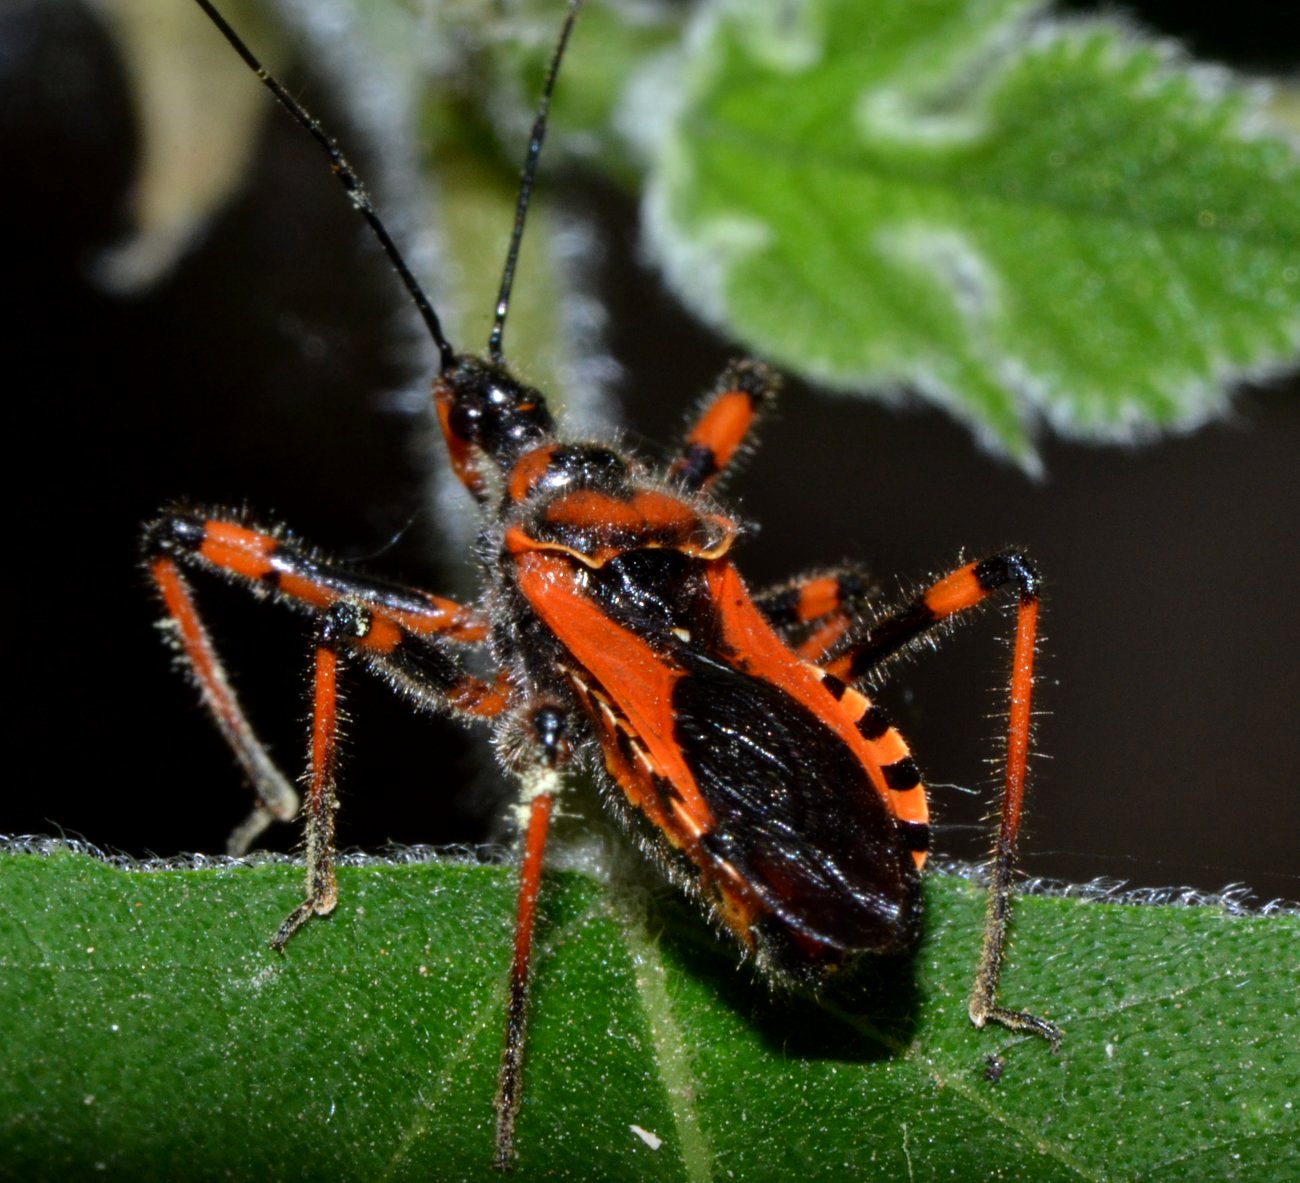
352	183
526	186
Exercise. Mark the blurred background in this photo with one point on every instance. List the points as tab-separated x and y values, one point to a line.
261	371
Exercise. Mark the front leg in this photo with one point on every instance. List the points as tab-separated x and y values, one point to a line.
741	394
416	627
402	634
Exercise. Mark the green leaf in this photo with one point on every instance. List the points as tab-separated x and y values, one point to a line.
1027	220
150	1034
1022	219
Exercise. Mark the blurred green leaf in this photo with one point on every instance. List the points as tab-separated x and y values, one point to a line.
1022	219
1027	220
150	1034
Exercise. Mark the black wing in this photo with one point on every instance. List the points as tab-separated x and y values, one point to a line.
797	817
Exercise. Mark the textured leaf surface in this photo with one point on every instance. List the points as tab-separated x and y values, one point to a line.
1021	219
150	1034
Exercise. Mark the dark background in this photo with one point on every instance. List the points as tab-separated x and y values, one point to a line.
257	372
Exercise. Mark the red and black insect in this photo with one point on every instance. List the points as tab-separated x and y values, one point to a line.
731	731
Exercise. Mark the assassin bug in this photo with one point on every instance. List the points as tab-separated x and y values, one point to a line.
731	732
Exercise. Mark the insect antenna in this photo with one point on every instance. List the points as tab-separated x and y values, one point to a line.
350	181
526	186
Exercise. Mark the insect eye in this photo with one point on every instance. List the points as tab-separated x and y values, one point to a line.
465	420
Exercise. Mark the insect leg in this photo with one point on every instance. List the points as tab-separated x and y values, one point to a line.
540	783
276	798
962	590
814	611
266	564
416	665
322	800
741	393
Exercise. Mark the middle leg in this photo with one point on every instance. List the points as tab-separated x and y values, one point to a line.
421	670
813	612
